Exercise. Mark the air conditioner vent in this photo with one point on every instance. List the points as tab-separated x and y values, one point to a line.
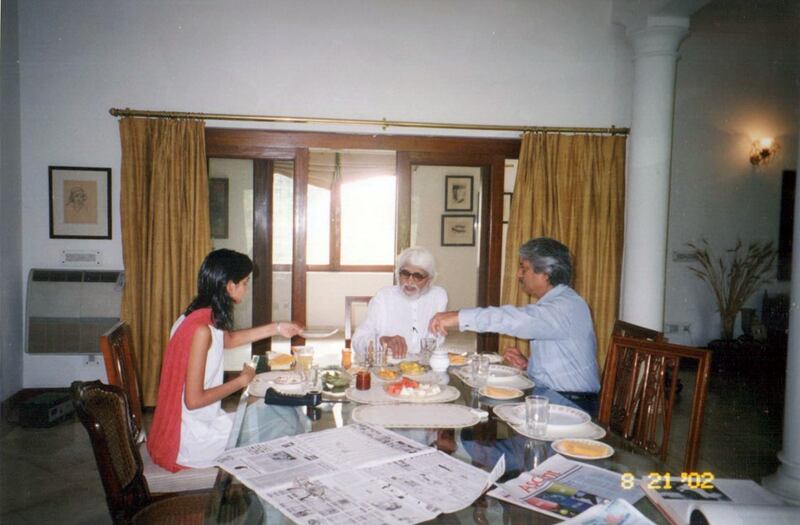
68	310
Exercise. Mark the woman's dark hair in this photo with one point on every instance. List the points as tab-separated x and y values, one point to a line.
219	267
548	256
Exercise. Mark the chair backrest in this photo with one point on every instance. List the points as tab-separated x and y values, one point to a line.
626	329
121	369
103	410
349	310
639	389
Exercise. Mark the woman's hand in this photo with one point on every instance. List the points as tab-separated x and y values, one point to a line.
247	375
515	358
288	328
396	344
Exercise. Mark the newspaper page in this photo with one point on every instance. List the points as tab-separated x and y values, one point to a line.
563	488
357	474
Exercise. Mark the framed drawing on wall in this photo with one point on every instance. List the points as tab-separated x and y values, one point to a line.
80	202
458	193
218	207
458	230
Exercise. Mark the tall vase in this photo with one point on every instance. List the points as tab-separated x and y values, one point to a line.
728	320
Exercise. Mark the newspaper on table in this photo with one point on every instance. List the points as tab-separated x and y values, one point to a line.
564	488
357	474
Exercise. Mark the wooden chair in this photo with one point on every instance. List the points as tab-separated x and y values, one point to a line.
637	403
104	412
118	356
626	329
115	345
348	315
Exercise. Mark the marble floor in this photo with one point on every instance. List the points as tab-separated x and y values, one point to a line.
49	475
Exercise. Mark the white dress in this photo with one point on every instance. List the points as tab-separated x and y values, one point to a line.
205	430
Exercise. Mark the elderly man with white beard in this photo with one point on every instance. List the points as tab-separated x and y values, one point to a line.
398	315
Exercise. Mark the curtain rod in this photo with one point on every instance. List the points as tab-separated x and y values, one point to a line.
127	112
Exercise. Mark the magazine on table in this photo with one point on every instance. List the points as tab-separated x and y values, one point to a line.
357	474
700	498
563	488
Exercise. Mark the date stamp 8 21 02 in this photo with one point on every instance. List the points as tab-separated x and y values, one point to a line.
665	480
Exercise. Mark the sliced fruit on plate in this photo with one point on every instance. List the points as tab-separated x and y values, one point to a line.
389	374
500	392
394	389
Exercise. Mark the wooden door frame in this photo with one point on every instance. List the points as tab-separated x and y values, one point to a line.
488	153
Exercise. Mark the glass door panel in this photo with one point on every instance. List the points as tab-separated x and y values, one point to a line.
282	242
231	216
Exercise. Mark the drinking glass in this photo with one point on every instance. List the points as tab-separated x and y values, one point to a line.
312	378
426	347
537	414
481	368
381	351
305	357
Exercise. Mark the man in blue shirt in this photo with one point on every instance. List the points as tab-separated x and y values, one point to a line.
559	325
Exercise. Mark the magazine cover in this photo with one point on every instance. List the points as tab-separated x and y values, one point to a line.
564	488
729	499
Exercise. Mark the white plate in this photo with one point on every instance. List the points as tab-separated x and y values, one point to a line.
494	358
514	415
318	333
513	393
378	396
502	373
417	416
561	446
563	416
289	382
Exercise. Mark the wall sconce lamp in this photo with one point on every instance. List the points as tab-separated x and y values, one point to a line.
763	151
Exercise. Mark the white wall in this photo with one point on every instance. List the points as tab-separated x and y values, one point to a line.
457	266
545	62
10	208
737	80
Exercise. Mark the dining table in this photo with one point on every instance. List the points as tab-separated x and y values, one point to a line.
481	445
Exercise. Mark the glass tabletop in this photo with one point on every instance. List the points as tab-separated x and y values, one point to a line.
481	445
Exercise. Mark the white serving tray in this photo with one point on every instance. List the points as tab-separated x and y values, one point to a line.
378	396
417	416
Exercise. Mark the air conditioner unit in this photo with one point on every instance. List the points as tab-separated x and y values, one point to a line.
68	310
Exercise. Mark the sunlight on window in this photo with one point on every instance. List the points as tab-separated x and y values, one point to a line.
318	233
368	212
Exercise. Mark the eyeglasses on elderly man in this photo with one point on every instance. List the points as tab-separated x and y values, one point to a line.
416	276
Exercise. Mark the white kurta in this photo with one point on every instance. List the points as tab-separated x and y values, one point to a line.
391	312
205	430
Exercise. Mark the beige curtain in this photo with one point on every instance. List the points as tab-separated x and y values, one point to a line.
571	188
165	232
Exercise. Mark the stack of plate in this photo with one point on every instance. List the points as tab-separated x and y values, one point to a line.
565	422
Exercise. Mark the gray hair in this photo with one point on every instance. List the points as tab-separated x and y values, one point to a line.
550	257
416	256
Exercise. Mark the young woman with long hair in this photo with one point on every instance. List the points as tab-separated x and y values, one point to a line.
189	428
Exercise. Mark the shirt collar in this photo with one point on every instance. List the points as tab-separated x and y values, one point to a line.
552	293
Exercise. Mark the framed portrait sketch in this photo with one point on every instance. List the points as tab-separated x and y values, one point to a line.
80	203
458	193
218	207
458	230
